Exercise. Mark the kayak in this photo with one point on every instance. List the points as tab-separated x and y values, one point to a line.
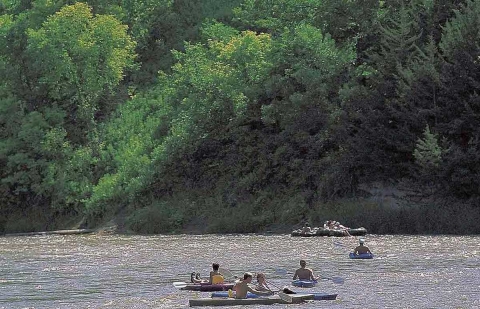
206	287
364	256
316	295
270	300
304	283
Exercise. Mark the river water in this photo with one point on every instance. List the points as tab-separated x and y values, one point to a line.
118	271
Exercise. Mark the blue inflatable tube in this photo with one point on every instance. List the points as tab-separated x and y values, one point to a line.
361	256
304	283
316	295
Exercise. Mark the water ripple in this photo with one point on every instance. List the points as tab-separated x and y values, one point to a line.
118	271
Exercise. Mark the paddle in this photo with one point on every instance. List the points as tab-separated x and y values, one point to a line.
227	273
274	285
337	280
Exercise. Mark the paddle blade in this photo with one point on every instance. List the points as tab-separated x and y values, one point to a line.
226	273
338	280
285	297
179	284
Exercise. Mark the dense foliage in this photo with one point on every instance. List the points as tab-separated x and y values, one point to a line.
233	116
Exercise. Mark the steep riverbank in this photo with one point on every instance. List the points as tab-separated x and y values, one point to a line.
381	210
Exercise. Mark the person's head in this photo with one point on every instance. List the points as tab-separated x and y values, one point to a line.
215	266
247	277
306	224
260	277
361	241
303	263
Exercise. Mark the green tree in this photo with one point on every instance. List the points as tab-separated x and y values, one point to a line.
56	71
458	100
207	91
380	104
427	153
78	57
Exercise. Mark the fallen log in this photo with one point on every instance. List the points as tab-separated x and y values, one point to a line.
57	232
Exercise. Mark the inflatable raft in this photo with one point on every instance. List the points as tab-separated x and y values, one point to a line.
361	231
270	300
316	295
206	287
304	283
364	256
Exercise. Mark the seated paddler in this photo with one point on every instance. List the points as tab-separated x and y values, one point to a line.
242	287
215	276
361	249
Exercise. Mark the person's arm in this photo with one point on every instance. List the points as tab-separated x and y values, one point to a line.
268	288
312	276
295	275
249	289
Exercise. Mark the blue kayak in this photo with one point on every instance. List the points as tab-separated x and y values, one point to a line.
316	295
304	283
361	256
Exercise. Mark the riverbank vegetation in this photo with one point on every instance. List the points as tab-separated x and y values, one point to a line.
240	115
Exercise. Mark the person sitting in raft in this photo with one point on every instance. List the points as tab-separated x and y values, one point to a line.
215	276
306	229
262	283
304	273
241	287
343	228
361	249
329	225
338	226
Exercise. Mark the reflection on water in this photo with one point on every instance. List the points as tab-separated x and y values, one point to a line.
115	271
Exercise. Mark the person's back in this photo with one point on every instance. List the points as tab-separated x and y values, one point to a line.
303	273
215	276
361	249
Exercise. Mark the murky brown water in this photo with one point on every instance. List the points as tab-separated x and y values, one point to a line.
92	271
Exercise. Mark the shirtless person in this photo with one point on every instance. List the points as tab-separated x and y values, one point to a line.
304	273
361	249
242	287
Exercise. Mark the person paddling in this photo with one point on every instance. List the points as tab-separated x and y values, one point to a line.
361	249
215	276
304	273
